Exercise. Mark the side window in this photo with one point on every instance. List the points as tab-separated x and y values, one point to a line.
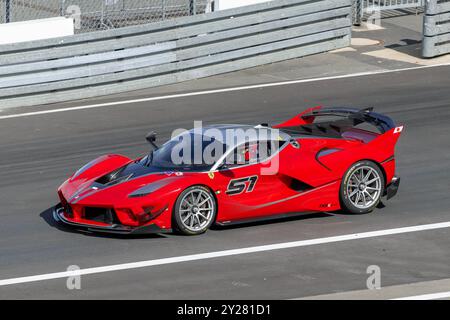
252	152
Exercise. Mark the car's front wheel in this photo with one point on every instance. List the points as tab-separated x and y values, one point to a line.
362	187
194	211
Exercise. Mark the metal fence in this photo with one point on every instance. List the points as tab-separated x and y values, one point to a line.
91	15
143	56
436	31
364	9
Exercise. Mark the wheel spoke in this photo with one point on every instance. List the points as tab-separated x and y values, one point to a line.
353	193
187	217
198	219
370	196
358	195
373	180
187	202
367	176
201	215
198	198
203	202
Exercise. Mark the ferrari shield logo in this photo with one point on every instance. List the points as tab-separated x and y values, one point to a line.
211	175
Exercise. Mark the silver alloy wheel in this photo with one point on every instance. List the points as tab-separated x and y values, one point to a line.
196	209
364	187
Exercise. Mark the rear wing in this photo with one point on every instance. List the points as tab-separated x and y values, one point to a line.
357	116
304	123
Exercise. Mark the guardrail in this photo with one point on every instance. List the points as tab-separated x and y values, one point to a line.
436	30
138	57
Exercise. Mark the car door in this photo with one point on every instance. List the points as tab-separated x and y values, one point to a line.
247	184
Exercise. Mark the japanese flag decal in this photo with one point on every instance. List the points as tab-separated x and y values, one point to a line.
398	129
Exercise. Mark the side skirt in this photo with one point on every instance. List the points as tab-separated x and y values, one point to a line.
277	216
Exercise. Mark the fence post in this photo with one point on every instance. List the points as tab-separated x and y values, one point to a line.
62	12
210	6
429	29
8	11
357	12
192	7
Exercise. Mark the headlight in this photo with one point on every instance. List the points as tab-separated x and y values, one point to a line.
151	187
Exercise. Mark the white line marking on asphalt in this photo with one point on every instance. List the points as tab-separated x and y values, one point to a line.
431	296
225	253
206	92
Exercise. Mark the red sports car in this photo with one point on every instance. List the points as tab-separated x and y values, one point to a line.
324	159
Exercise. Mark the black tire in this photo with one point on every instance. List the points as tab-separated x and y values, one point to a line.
360	196
195	224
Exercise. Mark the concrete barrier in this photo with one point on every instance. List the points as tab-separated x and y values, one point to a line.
436	29
138	57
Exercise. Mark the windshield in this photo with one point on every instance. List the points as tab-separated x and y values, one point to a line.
186	152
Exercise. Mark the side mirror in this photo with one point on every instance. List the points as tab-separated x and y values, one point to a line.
223	166
224	170
151	138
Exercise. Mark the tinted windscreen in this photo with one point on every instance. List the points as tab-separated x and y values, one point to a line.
187	152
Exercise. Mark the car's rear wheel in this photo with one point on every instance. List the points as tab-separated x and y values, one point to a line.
362	187
194	211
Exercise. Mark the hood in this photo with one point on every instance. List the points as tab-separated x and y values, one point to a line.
125	173
112	179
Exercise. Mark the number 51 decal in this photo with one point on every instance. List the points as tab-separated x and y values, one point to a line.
237	186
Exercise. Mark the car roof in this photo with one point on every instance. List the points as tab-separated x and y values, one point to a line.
243	133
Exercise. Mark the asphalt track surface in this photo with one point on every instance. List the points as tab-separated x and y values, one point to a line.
39	152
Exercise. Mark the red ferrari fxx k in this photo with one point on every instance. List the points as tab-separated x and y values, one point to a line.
324	159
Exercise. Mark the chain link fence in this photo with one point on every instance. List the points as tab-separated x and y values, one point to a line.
92	15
